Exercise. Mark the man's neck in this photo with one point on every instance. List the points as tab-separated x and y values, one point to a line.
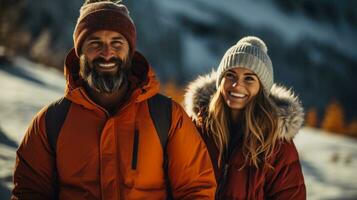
109	101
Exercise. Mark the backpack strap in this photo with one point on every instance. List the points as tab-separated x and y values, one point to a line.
160	108
55	115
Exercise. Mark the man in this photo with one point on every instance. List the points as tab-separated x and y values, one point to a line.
107	146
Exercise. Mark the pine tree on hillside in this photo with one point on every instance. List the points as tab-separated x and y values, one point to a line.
173	91
312	118
352	128
12	37
334	118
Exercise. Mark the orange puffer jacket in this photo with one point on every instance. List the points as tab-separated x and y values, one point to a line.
94	150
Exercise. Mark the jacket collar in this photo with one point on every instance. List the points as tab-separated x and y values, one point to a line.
289	108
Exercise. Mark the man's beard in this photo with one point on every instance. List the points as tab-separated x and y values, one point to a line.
101	81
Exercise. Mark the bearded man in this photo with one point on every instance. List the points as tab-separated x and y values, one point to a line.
100	140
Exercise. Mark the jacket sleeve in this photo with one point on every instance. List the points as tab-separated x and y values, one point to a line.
287	180
190	170
33	175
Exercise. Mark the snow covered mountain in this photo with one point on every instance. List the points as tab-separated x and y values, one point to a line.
312	43
329	161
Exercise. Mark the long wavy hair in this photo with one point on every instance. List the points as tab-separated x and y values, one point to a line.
259	125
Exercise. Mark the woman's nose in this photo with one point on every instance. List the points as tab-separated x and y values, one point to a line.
237	82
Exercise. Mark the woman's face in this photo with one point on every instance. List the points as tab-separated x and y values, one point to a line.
238	87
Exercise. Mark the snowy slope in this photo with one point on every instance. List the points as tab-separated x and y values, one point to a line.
329	164
329	161
25	88
292	29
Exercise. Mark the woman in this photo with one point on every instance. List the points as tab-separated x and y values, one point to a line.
248	125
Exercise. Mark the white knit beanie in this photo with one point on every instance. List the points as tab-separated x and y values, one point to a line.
251	53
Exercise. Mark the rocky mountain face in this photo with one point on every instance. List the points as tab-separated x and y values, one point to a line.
312	43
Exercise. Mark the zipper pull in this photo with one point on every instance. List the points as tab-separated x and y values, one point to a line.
225	170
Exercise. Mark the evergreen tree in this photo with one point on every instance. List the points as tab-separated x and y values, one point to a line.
352	128
312	118
334	118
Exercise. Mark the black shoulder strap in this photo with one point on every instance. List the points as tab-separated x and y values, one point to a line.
55	116
160	108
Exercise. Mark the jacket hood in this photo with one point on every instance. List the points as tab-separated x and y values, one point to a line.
289	108
142	74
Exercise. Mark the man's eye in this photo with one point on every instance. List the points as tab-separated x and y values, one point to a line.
117	44
95	44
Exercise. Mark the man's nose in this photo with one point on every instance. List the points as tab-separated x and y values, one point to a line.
107	52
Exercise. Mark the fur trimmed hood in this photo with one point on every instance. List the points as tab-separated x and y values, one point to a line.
289	108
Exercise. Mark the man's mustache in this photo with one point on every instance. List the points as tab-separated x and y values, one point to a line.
115	60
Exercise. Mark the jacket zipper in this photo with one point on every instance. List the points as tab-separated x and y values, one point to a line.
134	160
92	102
226	167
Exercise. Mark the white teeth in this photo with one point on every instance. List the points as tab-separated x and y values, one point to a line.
106	65
237	94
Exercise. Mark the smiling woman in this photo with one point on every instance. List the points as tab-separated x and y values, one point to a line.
239	86
248	125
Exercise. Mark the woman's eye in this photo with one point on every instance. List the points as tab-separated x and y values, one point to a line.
230	76
249	78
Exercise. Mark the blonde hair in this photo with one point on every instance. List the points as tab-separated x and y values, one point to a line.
259	125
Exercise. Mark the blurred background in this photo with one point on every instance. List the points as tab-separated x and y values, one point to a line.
312	44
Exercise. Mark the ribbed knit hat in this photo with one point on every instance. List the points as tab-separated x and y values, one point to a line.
251	53
103	15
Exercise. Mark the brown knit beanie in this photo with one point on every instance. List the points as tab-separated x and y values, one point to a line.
103	15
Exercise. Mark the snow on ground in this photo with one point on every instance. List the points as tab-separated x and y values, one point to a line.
329	164
329	161
25	88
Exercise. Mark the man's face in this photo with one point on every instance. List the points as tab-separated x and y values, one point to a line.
104	61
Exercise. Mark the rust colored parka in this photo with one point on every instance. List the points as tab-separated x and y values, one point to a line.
285	181
94	149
